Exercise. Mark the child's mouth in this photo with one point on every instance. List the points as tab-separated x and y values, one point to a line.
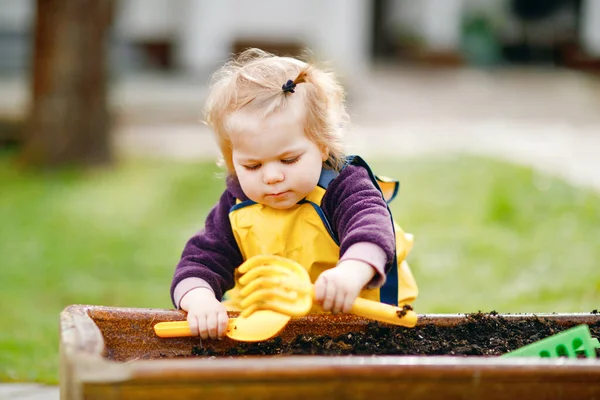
280	194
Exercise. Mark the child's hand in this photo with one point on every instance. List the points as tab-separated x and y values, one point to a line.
207	317
337	288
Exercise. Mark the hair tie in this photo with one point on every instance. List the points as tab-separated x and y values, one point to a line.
289	86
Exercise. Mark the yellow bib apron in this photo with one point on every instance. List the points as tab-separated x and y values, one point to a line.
303	234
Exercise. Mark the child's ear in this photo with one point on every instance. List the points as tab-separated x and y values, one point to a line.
324	153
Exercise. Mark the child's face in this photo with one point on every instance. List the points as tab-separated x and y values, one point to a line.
276	164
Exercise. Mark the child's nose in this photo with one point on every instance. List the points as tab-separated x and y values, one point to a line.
272	175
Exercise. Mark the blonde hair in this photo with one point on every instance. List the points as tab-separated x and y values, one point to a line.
253	82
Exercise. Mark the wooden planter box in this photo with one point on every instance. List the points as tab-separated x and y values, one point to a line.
112	353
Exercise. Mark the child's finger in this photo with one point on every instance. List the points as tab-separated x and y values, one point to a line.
211	325
330	292
348	303
202	327
222	323
337	301
193	324
340	300
320	287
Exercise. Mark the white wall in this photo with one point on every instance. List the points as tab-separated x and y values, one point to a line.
16	15
590	30
148	19
345	34
436	22
442	23
336	30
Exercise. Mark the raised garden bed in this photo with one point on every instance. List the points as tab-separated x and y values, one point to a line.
112	353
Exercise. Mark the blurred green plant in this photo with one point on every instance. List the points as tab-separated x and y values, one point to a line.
479	43
489	236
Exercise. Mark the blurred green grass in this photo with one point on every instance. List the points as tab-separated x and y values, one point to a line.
489	236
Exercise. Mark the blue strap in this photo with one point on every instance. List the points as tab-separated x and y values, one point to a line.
388	293
327	175
242	204
321	215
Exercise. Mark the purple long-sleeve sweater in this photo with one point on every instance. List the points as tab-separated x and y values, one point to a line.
352	204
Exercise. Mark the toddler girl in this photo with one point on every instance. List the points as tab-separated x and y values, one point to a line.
291	192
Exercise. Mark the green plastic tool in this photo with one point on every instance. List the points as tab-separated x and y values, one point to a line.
572	343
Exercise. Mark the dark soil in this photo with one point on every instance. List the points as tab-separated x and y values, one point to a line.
480	335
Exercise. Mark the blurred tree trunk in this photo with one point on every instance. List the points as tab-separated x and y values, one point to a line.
69	119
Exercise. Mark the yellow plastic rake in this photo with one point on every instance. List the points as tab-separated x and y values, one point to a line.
274	289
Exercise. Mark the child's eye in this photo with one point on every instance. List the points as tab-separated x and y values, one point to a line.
291	160
252	167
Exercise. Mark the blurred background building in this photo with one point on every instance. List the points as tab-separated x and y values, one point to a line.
195	36
413	66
